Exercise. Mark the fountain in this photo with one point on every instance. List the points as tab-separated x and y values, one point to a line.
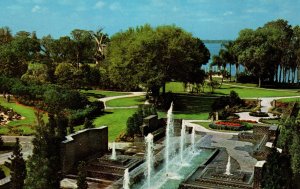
126	179
227	172
149	158
169	134
113	154
182	141
193	139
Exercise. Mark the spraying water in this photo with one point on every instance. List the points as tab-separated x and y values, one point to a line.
227	172
193	139
113	154
169	133
149	158
126	181
182	141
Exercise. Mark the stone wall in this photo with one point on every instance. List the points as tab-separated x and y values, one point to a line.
258	174
150	124
80	145
259	131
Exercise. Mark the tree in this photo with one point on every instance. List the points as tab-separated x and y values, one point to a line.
82	174
276	172
84	46
17	167
36	73
5	35
153	56
101	40
88	123
43	171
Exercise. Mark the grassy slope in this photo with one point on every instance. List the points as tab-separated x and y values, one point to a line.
177	87
94	95
124	102
115	120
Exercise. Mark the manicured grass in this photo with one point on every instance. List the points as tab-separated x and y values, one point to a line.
94	95
5	169
255	92
115	120
24	124
177	87
125	102
174	87
191	107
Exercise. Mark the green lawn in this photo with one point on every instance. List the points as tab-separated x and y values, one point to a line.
254	92
115	120
94	95
25	124
177	87
125	102
191	107
5	169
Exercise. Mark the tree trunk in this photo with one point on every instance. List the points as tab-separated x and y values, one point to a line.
289	74
276	74
164	88
236	71
230	72
259	81
279	79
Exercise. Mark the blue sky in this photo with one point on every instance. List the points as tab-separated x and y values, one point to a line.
206	19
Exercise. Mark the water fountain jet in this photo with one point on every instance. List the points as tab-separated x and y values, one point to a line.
182	141
113	154
126	180
193	139
149	158
227	172
169	133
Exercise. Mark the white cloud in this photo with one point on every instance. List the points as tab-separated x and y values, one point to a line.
227	13
115	6
99	4
38	9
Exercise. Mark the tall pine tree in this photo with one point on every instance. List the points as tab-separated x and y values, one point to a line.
17	167
43	165
81	179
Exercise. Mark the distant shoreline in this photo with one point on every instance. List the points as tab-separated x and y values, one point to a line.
215	41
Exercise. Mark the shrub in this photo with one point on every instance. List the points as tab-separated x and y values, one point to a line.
259	114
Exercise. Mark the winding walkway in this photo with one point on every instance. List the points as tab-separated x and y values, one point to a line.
133	94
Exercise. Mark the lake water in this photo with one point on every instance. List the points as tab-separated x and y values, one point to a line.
214	49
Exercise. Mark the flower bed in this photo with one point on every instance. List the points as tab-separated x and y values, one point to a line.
236	125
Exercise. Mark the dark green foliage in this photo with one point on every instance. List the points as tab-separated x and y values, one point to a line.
276	172
88	123
43	169
232	100
17	167
78	116
82	174
2	174
136	120
153	56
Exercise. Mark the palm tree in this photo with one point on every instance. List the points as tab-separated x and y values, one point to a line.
101	40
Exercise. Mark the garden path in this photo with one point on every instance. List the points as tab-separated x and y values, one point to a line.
25	142
265	106
133	94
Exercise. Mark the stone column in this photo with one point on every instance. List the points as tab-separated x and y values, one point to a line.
217	116
258	174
